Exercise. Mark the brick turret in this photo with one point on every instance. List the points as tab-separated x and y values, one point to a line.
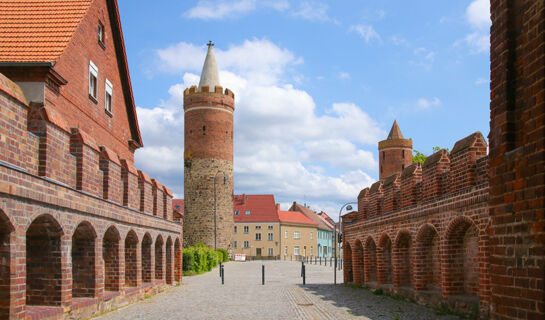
208	155
395	153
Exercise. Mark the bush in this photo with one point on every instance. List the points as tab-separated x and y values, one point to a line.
200	259
223	255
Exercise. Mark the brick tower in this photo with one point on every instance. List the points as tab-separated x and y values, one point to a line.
208	159
395	153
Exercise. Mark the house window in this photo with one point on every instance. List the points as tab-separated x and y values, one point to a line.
93	78
235	229
311	236
258	236
258	227
270	227
296	235
246	244
270	251
236	213
236	244
286	234
100	33
286	250
247	212
296	250
270	236
108	96
246	229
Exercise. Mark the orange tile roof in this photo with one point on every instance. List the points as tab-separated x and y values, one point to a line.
295	217
38	30
262	208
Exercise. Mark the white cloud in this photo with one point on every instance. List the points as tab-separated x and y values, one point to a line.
367	32
478	14
398	41
478	42
424	103
480	81
312	11
423	57
282	144
478	17
207	9
344	75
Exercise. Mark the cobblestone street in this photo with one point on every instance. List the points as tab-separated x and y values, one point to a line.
282	297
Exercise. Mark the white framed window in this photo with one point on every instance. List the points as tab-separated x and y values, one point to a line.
258	227
246	229
311	236
246	244
108	96
236	229
270	251
93	79
270	236
296	235
258	236
236	244
247	212
286	234
286	250
296	250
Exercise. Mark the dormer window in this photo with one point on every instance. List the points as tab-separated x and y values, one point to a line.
93	79
247	212
101	33
108	97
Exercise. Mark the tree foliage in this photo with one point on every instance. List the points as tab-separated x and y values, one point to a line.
420	157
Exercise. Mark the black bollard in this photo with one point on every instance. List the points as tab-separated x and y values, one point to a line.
304	275
302	267
263	274
320	260
222	275
220	269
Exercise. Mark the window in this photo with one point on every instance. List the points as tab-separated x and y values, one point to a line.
258	227
311	236
100	33
270	236
108	96
246	244
296	250
402	167
93	76
296	235
247	212
246	229
286	234
235	229
258	236
270	251
311	251
236	244
270	227
286	250
403	154
236	213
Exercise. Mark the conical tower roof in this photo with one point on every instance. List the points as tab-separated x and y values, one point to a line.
395	132
209	74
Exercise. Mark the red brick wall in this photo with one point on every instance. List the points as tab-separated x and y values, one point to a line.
517	158
433	249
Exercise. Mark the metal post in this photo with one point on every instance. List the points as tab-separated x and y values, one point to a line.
263	274
222	275
335	238
302	267
304	275
220	268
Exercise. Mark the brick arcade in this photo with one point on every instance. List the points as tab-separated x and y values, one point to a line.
82	231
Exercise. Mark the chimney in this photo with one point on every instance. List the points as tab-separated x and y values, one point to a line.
244	198
277	207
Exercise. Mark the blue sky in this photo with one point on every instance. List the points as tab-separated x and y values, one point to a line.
318	84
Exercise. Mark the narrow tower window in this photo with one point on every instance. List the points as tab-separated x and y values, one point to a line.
203	130
403	154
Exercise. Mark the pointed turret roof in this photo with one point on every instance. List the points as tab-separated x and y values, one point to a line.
395	132
209	74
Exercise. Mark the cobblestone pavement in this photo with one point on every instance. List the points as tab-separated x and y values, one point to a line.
282	297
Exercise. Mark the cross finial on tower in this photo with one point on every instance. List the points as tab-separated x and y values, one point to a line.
210	43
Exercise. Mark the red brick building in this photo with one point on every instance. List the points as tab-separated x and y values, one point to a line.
81	229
